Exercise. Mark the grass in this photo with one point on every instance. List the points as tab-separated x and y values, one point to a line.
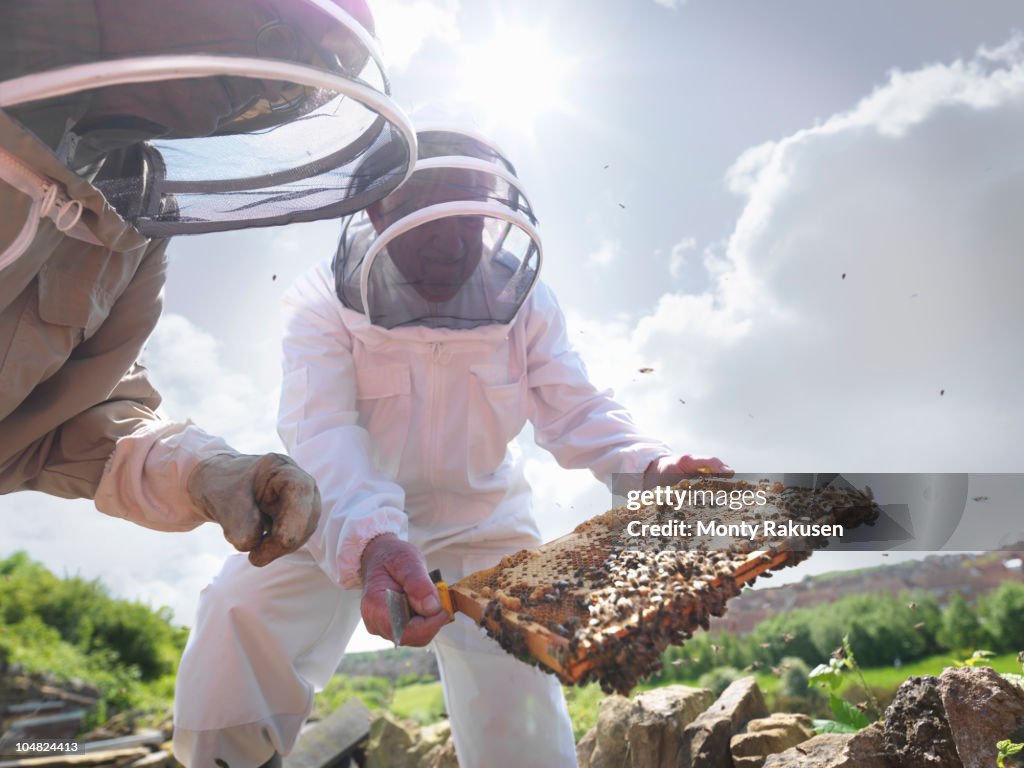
892	677
422	702
374	692
583	703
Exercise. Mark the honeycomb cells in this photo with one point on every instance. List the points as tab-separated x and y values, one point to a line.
607	604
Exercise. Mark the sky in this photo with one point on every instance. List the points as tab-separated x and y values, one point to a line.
804	217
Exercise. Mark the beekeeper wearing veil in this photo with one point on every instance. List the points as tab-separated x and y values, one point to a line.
123	123
412	359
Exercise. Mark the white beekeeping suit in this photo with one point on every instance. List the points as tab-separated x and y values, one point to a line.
401	397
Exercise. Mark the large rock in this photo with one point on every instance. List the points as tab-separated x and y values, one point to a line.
159	759
982	708
610	743
392	743
585	748
705	741
916	733
332	739
655	732
430	740
645	732
441	756
865	749
769	736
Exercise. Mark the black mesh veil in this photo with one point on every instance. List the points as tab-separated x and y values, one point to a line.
196	116
455	247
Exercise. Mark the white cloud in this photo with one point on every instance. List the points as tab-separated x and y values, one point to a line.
72	537
405	26
679	256
606	253
671	4
186	365
784	364
561	498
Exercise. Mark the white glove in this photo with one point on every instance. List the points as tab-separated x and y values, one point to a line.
266	505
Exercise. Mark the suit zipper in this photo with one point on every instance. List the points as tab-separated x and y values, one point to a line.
436	353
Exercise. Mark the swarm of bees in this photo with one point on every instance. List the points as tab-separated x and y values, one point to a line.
602	605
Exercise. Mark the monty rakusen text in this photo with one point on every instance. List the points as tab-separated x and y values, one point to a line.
735	500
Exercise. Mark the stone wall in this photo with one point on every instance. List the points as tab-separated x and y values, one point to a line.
951	721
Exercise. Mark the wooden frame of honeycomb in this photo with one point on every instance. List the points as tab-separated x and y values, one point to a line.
599	605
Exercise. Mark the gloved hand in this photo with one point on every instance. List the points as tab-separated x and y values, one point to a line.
266	505
667	469
390	563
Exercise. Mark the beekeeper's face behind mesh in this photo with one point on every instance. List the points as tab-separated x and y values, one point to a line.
454	247
439	256
199	116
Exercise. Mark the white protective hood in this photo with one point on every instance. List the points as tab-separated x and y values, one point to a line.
456	247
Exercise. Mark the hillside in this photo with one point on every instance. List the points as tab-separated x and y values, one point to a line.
937	575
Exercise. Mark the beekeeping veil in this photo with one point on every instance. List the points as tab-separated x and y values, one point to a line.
456	246
198	116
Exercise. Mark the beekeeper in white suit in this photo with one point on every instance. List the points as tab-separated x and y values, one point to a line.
411	361
123	123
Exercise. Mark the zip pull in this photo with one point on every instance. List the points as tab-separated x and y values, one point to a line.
55	204
440	353
49	200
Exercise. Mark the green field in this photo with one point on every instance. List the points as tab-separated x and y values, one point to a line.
892	677
422	702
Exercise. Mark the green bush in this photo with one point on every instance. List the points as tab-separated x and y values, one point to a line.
794	680
1003	611
961	631
719	679
881	628
72	629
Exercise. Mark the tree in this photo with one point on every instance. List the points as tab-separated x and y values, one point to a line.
794	680
1004	616
719	679
960	630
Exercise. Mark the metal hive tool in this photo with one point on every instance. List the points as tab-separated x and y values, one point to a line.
598	605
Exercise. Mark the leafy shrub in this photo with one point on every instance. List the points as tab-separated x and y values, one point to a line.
72	629
719	679
794	680
1003	611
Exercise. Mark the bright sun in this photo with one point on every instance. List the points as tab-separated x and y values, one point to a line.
515	77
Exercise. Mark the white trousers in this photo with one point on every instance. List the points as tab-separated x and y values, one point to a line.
265	638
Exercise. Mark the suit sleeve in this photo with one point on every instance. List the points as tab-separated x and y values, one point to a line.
65	429
581	426
91	427
318	422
